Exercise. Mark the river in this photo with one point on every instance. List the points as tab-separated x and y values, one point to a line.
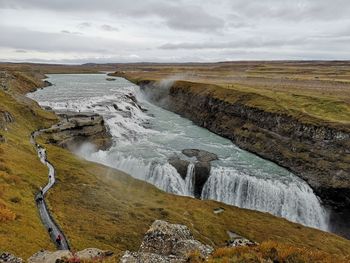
146	137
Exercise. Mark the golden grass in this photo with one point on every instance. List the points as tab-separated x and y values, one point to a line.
270	251
101	207
21	174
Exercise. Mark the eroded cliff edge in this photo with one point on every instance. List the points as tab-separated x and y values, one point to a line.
315	150
76	129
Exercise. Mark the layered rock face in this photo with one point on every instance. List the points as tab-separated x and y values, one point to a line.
166	243
202	165
318	153
75	129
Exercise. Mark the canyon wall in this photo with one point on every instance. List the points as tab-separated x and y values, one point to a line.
317	152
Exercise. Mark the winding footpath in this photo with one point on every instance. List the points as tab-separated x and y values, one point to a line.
53	229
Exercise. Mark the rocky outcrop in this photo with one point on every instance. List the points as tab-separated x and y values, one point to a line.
180	165
6	257
239	241
201	155
4	78
5	118
202	167
45	256
166	243
74	129
316	151
62	256
47	83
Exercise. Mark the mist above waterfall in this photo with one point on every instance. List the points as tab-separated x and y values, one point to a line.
146	136
159	92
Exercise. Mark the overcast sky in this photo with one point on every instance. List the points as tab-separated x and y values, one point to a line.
79	31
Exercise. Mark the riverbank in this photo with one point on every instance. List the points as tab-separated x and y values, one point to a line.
307	132
98	206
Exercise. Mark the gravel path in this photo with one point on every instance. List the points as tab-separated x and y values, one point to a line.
53	229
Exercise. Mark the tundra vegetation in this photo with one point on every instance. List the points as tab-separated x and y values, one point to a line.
101	207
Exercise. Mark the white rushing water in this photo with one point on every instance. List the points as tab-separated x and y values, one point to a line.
146	136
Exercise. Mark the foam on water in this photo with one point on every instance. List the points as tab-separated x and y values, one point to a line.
144	140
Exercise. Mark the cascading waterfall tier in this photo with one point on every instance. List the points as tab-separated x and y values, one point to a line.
295	201
146	136
189	180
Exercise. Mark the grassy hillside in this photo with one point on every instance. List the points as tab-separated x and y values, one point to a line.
21	173
101	207
270	252
310	91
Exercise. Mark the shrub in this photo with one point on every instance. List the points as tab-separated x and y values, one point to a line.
6	214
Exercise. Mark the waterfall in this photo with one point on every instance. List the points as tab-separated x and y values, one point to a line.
189	180
165	177
162	175
146	136
294	201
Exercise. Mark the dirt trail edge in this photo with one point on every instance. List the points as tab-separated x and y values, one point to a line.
53	228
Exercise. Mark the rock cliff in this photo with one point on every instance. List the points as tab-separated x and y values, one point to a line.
202	165
75	129
316	151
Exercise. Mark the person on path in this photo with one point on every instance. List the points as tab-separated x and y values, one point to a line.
59	239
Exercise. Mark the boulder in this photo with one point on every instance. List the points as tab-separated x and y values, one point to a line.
239	241
90	253
201	155
45	256
165	242
6	257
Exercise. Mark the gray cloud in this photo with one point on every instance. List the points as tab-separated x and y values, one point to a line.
240	43
175	14
178	30
294	10
109	28
23	39
70	32
84	25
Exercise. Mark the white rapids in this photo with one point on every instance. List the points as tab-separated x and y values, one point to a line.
146	136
